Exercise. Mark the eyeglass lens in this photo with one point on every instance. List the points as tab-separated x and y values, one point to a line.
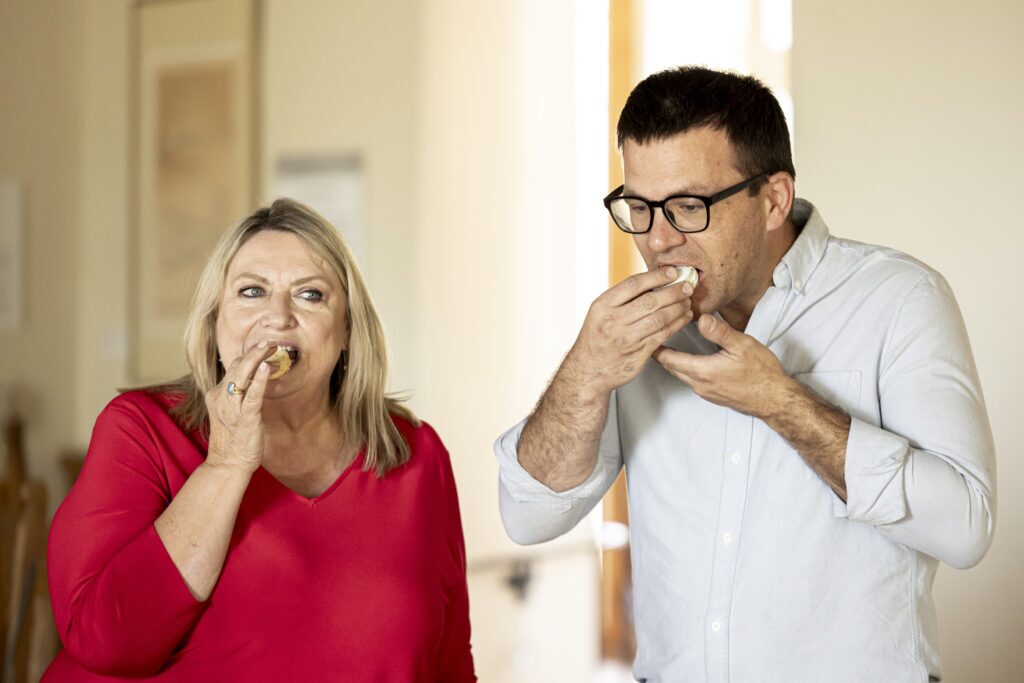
684	213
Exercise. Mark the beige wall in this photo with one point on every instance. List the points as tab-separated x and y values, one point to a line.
40	135
341	78
101	348
495	293
908	134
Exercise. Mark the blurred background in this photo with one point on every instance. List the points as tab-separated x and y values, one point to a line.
463	149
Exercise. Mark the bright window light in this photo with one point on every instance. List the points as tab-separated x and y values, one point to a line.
777	24
678	32
591	152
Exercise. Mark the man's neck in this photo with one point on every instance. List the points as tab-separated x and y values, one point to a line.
739	312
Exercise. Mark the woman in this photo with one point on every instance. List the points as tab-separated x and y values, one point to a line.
240	525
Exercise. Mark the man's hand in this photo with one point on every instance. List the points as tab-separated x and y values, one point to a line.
559	443
625	325
744	375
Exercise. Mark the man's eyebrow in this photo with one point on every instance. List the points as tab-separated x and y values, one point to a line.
696	192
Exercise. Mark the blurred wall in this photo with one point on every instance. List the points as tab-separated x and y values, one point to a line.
40	147
908	134
341	78
496	296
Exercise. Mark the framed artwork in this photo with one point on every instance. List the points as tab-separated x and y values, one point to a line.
194	159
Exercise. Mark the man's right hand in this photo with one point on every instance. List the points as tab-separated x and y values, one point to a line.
625	325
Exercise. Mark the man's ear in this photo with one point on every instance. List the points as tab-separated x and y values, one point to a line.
779	194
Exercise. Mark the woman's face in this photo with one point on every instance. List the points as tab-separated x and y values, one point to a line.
279	290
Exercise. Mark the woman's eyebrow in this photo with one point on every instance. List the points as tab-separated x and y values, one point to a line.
310	278
263	280
250	276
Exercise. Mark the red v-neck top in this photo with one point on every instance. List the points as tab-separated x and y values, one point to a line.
366	582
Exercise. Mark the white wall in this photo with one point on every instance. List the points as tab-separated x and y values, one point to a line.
908	134
495	290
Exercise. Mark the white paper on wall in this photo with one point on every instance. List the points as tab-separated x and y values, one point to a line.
331	185
10	254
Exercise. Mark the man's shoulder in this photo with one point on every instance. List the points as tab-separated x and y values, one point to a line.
876	265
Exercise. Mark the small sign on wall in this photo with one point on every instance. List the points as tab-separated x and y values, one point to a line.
331	185
10	255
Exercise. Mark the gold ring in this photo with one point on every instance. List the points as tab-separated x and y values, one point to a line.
235	390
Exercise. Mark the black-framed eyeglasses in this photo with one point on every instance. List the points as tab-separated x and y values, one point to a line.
685	212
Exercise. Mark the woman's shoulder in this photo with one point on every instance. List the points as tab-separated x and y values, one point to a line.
416	432
144	409
145	402
425	445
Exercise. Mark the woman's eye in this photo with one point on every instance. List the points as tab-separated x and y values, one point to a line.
312	295
251	292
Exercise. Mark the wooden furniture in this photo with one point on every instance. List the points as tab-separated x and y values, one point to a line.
27	634
618	639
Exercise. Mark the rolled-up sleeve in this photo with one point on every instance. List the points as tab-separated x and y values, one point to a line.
532	512
926	476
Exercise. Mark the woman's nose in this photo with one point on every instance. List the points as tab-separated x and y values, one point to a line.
279	311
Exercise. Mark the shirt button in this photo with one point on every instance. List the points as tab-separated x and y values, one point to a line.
799	284
735	457
715	626
727	538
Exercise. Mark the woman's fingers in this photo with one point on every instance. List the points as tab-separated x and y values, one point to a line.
244	367
253	397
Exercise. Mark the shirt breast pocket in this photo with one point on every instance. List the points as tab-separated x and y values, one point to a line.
841	388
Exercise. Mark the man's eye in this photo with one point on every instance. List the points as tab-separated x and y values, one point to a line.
690	207
312	295
638	207
251	292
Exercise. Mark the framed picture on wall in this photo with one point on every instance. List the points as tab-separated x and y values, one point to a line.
194	156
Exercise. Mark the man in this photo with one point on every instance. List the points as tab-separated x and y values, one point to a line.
804	433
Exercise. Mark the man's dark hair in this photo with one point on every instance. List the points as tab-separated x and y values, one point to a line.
675	100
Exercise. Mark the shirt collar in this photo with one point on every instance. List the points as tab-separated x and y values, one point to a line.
797	266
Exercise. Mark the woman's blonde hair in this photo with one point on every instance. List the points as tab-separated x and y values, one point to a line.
358	386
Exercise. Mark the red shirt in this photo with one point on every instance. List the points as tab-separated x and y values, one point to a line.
365	582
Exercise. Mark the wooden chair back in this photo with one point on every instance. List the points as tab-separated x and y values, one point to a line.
27	635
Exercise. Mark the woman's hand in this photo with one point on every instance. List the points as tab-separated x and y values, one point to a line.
196	527
236	422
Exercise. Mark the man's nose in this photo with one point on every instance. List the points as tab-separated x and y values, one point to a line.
663	236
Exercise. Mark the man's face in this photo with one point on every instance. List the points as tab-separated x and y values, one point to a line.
731	254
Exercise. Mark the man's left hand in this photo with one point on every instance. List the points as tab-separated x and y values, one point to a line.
744	375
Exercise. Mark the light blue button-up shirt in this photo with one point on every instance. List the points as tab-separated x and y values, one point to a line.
746	566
